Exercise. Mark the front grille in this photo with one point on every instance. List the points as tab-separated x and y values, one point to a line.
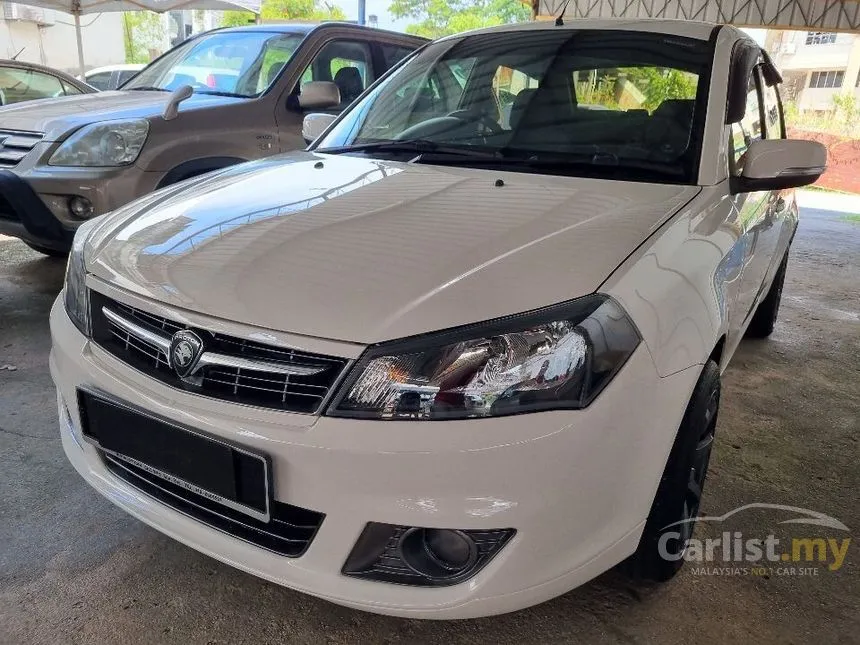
257	381
289	533
15	145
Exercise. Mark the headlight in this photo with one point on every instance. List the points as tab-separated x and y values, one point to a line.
75	294
110	143
557	357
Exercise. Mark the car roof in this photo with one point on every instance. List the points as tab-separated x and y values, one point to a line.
308	27
688	28
67	78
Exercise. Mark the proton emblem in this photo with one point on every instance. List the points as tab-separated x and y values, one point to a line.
185	350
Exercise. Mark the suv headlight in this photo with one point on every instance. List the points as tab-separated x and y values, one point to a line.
558	357
75	293
110	143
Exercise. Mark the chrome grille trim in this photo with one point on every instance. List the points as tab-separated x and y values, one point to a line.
213	359
15	145
229	368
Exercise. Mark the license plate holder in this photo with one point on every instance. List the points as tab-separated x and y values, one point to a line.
220	471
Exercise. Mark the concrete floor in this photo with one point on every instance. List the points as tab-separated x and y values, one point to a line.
74	569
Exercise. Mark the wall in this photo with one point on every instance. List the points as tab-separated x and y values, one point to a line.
843	160
55	44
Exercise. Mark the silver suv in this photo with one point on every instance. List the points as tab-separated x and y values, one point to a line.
218	99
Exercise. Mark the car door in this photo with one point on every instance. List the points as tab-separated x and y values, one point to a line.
780	223
346	61
754	211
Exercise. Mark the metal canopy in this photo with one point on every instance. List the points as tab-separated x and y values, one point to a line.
823	15
79	7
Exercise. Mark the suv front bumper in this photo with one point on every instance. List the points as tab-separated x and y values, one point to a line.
576	486
34	198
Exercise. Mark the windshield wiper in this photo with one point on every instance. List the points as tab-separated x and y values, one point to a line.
146	88
592	163
419	147
220	93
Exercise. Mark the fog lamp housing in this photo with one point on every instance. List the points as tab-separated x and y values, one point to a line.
422	557
81	207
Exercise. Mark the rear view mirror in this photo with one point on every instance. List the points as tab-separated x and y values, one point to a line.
315	124
775	164
319	95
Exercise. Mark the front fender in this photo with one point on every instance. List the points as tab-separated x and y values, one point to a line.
679	285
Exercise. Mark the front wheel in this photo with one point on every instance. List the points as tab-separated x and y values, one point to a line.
676	506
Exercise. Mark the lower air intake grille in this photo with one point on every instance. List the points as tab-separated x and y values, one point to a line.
232	369
289	533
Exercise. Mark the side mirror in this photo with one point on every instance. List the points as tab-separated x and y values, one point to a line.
314	125
776	164
319	95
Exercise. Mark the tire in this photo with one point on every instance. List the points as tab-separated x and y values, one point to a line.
679	494
764	318
44	250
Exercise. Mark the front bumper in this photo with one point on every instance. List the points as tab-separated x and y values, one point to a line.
576	485
34	198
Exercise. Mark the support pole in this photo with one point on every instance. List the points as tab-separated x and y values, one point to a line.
80	44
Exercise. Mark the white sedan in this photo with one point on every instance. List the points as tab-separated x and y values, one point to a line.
464	353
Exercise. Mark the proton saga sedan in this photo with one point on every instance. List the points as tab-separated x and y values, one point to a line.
464	353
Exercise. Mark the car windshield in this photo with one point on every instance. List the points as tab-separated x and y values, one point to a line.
231	63
610	103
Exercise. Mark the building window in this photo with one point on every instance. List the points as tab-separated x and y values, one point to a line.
832	78
820	38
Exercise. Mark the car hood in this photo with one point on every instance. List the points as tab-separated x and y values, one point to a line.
363	250
56	117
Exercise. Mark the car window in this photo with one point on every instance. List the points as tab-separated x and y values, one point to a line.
507	84
345	62
420	97
596	102
393	54
749	128
641	87
19	85
239	63
100	81
124	75
68	89
773	122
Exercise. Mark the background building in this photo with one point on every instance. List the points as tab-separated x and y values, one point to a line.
816	66
48	37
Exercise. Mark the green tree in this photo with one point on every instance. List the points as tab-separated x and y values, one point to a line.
436	18
305	10
143	35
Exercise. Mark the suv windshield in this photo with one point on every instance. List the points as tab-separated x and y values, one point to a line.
621	104
232	63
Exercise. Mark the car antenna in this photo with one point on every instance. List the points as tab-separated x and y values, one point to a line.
15	57
559	20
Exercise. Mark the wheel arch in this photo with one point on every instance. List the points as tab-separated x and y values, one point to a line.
194	167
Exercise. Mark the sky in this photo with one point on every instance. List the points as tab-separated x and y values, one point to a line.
379	8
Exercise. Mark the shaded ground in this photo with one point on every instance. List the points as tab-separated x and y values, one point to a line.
74	569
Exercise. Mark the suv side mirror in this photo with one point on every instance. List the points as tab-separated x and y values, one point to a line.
314	124
776	164
319	95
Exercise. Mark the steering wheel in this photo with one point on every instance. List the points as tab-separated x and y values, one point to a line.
488	125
